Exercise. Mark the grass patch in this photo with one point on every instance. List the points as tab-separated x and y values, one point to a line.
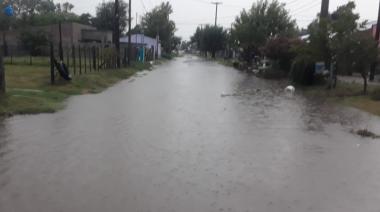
348	94
29	90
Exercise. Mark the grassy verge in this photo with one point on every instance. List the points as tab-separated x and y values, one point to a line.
348	94
29	91
228	62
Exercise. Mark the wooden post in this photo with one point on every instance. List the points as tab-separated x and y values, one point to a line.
101	58
125	56
60	41
129	32
80	60
74	59
89	58
68	57
117	33
2	75
85	60
377	36
93	51
97	58
52	77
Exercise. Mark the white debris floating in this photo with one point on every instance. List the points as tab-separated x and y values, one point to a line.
290	89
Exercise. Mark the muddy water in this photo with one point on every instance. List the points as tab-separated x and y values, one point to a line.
191	136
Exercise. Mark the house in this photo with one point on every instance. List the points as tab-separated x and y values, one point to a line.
370	27
72	34
141	40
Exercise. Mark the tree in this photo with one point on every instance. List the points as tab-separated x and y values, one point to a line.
282	51
176	42
214	39
265	20
157	22
67	7
210	39
197	39
86	18
105	13
33	41
363	52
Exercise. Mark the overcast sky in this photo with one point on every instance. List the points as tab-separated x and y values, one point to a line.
188	14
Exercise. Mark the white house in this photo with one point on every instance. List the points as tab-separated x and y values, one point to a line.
142	40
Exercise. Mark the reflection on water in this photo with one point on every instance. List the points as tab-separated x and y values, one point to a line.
190	136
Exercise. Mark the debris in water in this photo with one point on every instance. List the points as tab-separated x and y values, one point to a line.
365	133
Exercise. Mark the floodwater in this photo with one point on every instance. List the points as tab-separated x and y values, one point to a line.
191	136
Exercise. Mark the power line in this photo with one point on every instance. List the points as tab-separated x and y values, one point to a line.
305	9
305	5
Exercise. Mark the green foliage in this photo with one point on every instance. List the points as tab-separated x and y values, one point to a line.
105	13
364	52
302	70
37	12
282	51
33	41
157	22
29	91
176	42
210	39
319	41
265	20
375	94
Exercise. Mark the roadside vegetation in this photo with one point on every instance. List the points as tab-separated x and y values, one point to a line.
29	91
265	40
27	73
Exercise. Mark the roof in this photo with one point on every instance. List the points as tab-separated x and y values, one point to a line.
369	25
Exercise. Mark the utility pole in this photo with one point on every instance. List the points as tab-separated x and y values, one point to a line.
117	33
325	8
216	10
377	36
129	32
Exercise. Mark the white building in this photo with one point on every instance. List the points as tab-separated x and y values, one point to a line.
138	40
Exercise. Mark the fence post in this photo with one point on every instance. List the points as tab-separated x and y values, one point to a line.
80	60
93	57
97	58
2	75
125	56
52	77
85	60
68	56
74	62
89	58
101	58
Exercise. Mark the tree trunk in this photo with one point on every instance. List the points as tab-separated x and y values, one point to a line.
365	84
335	77
2	75
372	72
213	54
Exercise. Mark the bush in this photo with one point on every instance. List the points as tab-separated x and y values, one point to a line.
167	56
375	95
302	71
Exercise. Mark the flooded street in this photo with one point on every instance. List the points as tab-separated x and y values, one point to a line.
191	136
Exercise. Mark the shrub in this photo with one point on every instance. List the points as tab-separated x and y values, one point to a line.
302	71
375	95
